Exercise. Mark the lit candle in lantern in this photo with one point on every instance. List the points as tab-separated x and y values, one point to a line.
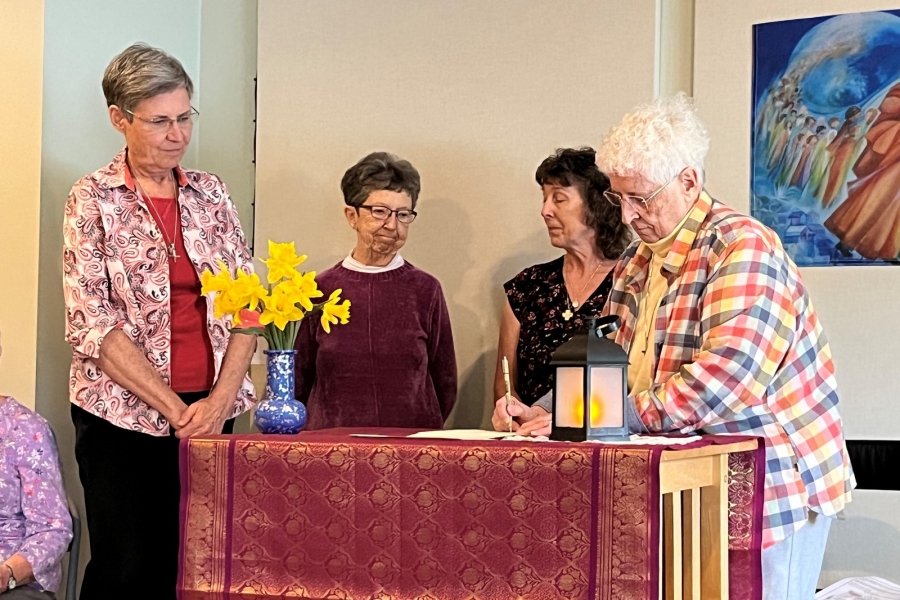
590	373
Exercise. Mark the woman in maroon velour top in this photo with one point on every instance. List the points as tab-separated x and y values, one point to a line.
393	364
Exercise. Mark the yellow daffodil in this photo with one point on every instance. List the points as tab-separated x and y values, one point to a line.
279	312
302	287
282	261
248	289
227	304
233	295
334	310
280	309
215	283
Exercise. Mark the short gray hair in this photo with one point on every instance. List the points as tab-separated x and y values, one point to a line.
141	72
656	141
380	171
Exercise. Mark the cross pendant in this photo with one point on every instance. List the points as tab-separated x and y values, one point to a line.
567	314
172	252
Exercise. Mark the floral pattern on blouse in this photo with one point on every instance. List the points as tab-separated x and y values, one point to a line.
537	297
34	513
116	275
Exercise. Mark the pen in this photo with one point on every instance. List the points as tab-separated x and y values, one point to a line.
508	396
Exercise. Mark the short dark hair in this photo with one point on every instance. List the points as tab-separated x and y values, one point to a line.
379	171
578	167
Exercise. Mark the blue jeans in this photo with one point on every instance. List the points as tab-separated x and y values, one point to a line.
791	567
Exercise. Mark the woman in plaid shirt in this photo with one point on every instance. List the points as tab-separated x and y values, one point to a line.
722	336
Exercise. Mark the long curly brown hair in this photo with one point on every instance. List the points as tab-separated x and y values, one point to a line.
578	167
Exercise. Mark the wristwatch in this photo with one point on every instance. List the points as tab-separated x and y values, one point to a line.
11	585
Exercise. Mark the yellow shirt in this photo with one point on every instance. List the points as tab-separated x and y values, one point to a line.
640	369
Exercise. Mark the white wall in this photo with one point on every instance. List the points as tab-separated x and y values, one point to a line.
856	304
216	43
475	94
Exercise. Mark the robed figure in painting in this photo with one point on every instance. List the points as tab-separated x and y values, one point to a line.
868	221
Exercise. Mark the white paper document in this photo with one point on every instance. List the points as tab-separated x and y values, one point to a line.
479	435
462	434
446	434
861	588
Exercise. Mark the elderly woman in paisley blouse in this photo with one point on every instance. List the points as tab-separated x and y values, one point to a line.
151	361
547	303
35	526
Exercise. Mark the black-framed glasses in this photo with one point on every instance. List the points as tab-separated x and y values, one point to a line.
615	198
162	124
383	213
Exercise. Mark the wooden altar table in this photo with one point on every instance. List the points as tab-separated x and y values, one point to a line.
326	515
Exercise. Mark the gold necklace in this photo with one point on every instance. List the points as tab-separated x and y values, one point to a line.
572	305
170	246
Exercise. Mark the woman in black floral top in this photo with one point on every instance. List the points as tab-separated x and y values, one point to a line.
547	303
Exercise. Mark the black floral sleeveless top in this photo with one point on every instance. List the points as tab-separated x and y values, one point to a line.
537	297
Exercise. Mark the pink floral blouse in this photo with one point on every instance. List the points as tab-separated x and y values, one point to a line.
116	275
34	513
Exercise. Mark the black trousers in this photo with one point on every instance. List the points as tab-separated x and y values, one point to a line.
131	497
27	593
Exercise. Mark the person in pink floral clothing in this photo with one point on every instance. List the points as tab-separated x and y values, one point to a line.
151	361
35	526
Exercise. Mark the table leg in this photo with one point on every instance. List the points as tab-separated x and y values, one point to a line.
714	534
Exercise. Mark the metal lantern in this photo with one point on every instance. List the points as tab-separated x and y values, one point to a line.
590	386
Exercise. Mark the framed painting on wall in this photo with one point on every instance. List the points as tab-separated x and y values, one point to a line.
825	171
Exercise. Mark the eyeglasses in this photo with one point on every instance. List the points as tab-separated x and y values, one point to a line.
383	213
162	124
615	198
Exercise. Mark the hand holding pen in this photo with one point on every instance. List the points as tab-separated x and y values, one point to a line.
508	391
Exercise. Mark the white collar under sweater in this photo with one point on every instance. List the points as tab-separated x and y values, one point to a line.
352	264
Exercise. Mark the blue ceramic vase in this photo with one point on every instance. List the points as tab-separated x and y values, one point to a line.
279	412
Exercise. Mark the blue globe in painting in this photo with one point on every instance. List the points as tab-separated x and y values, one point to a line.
824	144
847	61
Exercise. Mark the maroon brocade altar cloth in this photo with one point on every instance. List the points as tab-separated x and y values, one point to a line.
326	515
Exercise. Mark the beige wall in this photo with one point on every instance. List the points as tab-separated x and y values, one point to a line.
21	48
856	304
475	94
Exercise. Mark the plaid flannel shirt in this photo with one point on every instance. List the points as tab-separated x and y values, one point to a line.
738	349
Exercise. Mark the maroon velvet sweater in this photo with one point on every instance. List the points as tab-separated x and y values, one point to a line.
392	365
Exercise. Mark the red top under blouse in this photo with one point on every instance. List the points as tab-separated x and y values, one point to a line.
192	364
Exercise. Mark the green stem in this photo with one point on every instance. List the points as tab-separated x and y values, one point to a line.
279	338
295	326
270	336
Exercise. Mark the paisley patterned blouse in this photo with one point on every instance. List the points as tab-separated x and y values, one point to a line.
34	514
537	297
116	275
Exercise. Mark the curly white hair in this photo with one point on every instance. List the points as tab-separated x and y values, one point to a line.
656	141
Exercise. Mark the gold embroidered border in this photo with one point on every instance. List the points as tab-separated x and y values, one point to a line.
204	535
